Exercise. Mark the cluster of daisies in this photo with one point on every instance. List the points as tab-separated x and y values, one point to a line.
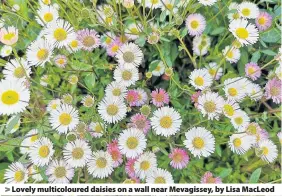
137	109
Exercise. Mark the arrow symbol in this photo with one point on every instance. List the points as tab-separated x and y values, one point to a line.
7	189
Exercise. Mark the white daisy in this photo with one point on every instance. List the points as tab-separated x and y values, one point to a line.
41	152
129	55
6	51
132	142
241	143
88	101
59	172
200	142
59	33
17	70
210	104
160	176
34	173
64	118
159	70
267	150
229	108
248	10
53	105
145	164
255	92
169	6
166	121
46	14
200	79
246	33
112	109
100	164
39	52
240	120
126	77
231	54
201	45
214	70
133	30
233	90
207	2
16	174
106	14
196	24
234	14
115	89
74	45
14	97
77	153
97	129
30	138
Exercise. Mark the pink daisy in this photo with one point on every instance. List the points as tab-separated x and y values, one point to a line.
195	97
160	97
132	97
61	61
252	71
179	158
140	122
129	167
273	90
142	97
113	149
261	135
89	39
263	21
209	179
135	180
113	47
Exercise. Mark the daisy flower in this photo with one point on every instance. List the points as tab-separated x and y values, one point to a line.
261	135
160	97
166	121
46	14
129	167
273	90
96	129
200	79
9	36
30	138
142	97
215	71
229	108
114	47
169	6
64	119
67	99
115	89
88	101
6	51
107	38
263	21
233	90
252	71
112	109
201	45
44	80
200	142
128	3
74	45
140	121
106	14
88	38
129	55
160	176
210	104
77	153
126	77
196	24
159	70
245	32
17	70
153	38
59	172
59	33
16	174
209	179
73	79
267	150
34	173
41	152
132	142
145	164
133	30
114	151
100	165
248	10
195	97
231	54
61	61
241	143
131	97
45	2
240	120
207	2
14	97
253	128
39	52
179	158
53	105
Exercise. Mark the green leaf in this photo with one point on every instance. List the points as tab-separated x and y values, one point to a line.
12	124
218	30
255	176
271	36
218	149
153	65
256	56
90	81
141	41
243	61
225	172
269	52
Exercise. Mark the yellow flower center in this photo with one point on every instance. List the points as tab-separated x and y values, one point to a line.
166	122
246	11
98	128
230	54
159	97
274	91
74	44
108	40
115	48
88	102
252	129
19	176
265	151
108	20
236	15
33	138
60	172
88	41
42	54
46	2
169	6
65	119
232	92
160	180
242	33
126	75
212	72
132	142
128	57
44	151
238	120
228	109
237	142
154	2
199	81
251	70
112	109
48	17
134	30
209	106
9	36
145	165
19	72
158	68
77	153
198	143
177	157
116	92
261	20
10	97
60	34
195	24
211	180
101	162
